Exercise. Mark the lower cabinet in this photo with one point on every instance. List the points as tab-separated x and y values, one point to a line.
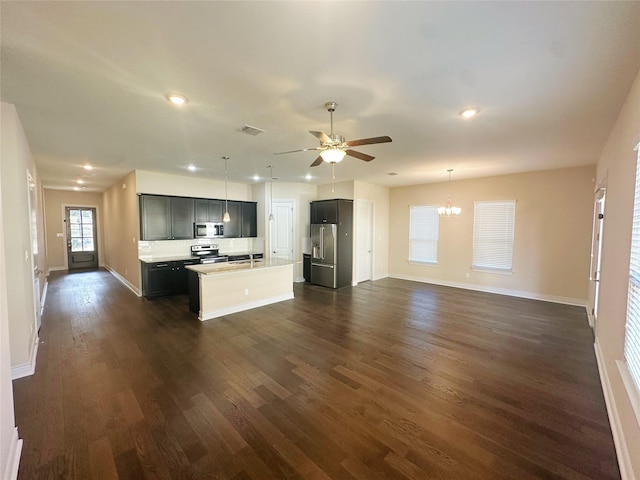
165	278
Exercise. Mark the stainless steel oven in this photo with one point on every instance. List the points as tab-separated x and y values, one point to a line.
208	230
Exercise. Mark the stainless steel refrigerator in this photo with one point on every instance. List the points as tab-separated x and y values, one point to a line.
324	255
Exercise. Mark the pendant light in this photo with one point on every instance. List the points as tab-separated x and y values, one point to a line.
226	217
271	193
449	210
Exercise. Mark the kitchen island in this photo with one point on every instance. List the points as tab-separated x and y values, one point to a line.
219	289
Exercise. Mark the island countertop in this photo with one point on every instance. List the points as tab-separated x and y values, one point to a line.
218	289
240	266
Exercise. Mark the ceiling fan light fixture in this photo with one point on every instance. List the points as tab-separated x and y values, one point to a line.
332	155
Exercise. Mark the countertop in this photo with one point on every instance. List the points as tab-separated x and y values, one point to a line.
242	265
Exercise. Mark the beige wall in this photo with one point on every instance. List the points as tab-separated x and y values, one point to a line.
189	186
616	168
16	162
552	233
9	445
336	190
55	202
121	231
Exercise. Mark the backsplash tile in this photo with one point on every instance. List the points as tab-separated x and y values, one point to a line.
166	248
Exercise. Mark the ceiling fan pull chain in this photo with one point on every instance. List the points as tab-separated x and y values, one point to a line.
333	175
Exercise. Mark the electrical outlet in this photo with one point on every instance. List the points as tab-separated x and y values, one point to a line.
126	272
246	291
467	275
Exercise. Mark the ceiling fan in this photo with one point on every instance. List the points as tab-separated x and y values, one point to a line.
334	147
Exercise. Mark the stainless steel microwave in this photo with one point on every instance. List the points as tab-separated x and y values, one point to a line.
208	230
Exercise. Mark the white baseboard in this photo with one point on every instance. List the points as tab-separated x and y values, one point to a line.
13	460
55	269
244	306
381	276
29	368
579	302
124	281
298	280
622	449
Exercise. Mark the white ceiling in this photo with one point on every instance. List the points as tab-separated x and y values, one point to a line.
89	81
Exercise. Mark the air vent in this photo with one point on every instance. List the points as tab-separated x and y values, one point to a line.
253	131
392	174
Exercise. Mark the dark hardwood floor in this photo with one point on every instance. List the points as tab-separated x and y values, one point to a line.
390	379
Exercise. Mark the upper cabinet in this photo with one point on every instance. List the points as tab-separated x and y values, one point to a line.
166	218
324	211
243	221
172	218
208	210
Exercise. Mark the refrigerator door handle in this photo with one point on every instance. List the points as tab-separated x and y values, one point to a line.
322	265
322	242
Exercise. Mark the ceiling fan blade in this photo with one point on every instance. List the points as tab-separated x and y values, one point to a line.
317	162
360	155
368	141
323	137
301	150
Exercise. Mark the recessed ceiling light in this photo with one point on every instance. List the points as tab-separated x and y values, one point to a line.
177	99
469	112
76	188
308	176
191	168
256	178
88	167
79	181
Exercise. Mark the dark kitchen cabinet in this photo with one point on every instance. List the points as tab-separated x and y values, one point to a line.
166	218
165	278
249	219
155	217
324	211
181	218
243	221
208	210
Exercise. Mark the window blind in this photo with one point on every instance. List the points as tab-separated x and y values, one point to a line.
493	230
632	328
423	233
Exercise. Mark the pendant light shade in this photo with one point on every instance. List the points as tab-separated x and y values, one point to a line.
226	217
449	210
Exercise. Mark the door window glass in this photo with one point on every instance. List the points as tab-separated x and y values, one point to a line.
81	230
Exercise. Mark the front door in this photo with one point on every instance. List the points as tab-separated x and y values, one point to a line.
82	248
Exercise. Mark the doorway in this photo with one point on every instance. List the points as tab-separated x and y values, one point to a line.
282	230
596	250
364	242
82	247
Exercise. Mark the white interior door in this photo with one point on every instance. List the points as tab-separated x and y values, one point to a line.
596	249
364	241
33	230
282	230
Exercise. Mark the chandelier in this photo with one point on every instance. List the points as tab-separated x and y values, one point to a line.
449	210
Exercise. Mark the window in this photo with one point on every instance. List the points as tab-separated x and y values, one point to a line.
632	329
493	227
423	233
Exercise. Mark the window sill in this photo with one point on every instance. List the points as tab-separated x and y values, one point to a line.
632	391
421	262
492	270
